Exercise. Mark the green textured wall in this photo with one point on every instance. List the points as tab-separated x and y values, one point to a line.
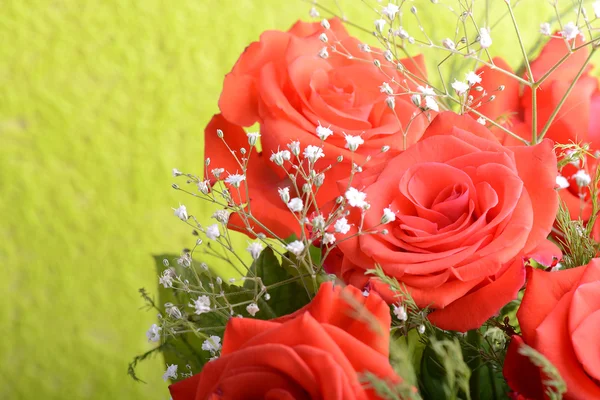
98	101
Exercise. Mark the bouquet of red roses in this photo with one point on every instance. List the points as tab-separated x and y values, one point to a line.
408	237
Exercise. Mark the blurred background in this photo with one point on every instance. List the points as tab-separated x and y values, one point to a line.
99	100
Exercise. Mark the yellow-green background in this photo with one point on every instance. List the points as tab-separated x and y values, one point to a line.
99	99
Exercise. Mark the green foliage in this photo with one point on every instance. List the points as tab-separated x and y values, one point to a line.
444	373
555	385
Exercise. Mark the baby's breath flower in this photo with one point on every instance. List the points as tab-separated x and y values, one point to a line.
173	311
431	104
545	29
323	133
204	187
212	231
401	33
252	138
181	212
318	223
217	172
582	178
177	172
252	309
313	13
386	88
170	373
323	53
388	55
296	247
328	238
364	48
570	31
323	37
281	156
400	312
319	179
481	120
254	249
388	216
284	193
313	153
596	7
416	99
355	197
201	305
380	25
153	333
472	78
341	226
166	279
212	344
294	147
390	101
295	204
562	182
449	44
235	180
221	215
485	40
352	142
390	11
421	329
427	91
460	87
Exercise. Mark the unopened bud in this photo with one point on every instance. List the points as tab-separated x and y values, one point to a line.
413	10
377	63
391	102
385	149
325	24
220	133
416	100
323	37
340	158
388	55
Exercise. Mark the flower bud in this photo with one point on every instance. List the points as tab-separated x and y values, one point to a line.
416	100
391	102
325	24
323	37
220	133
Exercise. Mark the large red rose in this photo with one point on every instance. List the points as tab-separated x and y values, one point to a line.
316	353
467	211
576	122
282	83
560	318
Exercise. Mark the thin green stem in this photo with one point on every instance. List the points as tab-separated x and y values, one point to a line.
512	17
564	98
534	90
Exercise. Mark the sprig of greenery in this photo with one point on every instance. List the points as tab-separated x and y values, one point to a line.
555	385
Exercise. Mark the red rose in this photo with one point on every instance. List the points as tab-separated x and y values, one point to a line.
283	84
576	122
317	352
560	318
467	210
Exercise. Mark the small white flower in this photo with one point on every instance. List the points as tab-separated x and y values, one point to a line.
460	87
153	333
390	11
318	223
166	279
427	91
177	172
582	178
325	24
356	198
313	13
570	31
204	187
449	44
235	180
388	216
379	25
328	238
485	40
254	249
171	372
364	47
212	344
313	153
341	226
472	78
221	215
284	194
596	7
388	55
545	29
416	99
481	120
390	101
295	205
402	33
212	231
217	172
173	311
323	53
281	156
323	37
431	104
296	247
352	142
252	309
421	329
386	88
201	305
323	133
294	147
181	213
400	312
366	293
252	137
562	182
